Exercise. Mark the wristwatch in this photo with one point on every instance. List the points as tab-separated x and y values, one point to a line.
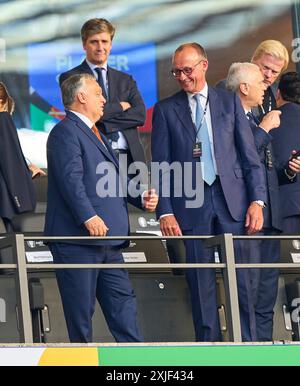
260	203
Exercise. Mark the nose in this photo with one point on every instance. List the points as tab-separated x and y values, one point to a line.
268	73
182	76
99	46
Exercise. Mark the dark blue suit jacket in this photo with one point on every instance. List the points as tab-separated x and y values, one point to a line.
285	139
17	193
121	87
275	176
75	157
239	167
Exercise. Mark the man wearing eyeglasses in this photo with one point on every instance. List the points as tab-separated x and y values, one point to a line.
208	125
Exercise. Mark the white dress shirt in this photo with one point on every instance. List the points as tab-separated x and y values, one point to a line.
193	105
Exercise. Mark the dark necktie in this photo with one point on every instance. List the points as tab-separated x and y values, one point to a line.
269	103
100	81
115	135
253	121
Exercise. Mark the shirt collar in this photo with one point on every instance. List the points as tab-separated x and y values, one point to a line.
93	66
203	92
84	118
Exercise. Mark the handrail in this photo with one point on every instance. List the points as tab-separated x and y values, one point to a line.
225	242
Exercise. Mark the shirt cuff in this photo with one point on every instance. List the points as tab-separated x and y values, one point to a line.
288	175
260	203
165	215
90	219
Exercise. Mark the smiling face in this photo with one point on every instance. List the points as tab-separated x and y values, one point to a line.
98	48
189	59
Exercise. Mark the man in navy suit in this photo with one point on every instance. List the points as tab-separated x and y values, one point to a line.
247	81
124	109
201	123
79	158
286	139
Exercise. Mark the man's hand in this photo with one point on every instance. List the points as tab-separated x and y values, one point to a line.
254	219
169	226
150	200
271	120
36	171
96	226
125	105
294	164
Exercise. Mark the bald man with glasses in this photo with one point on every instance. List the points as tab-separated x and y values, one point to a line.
208	125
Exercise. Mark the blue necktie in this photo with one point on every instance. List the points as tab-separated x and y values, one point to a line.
202	136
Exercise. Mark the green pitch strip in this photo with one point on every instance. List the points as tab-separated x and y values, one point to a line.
274	355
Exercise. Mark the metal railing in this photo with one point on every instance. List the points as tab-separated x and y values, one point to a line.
224	242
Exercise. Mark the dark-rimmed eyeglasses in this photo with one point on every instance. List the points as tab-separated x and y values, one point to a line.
176	72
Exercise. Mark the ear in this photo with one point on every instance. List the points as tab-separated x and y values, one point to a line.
278	94
81	96
205	65
244	88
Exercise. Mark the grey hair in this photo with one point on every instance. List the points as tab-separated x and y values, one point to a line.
71	86
240	73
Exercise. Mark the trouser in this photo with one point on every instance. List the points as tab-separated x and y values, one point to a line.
265	286
79	289
216	219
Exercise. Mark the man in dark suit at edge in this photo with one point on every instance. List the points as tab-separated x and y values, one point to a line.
201	123
124	109
286	138
78	158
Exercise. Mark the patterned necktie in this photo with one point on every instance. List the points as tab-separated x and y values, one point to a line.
100	80
254	121
202	136
97	133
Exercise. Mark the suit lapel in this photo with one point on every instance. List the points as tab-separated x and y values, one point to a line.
215	112
182	110
112	84
86	69
87	131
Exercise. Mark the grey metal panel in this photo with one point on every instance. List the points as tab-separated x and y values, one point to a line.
280	331
9	332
